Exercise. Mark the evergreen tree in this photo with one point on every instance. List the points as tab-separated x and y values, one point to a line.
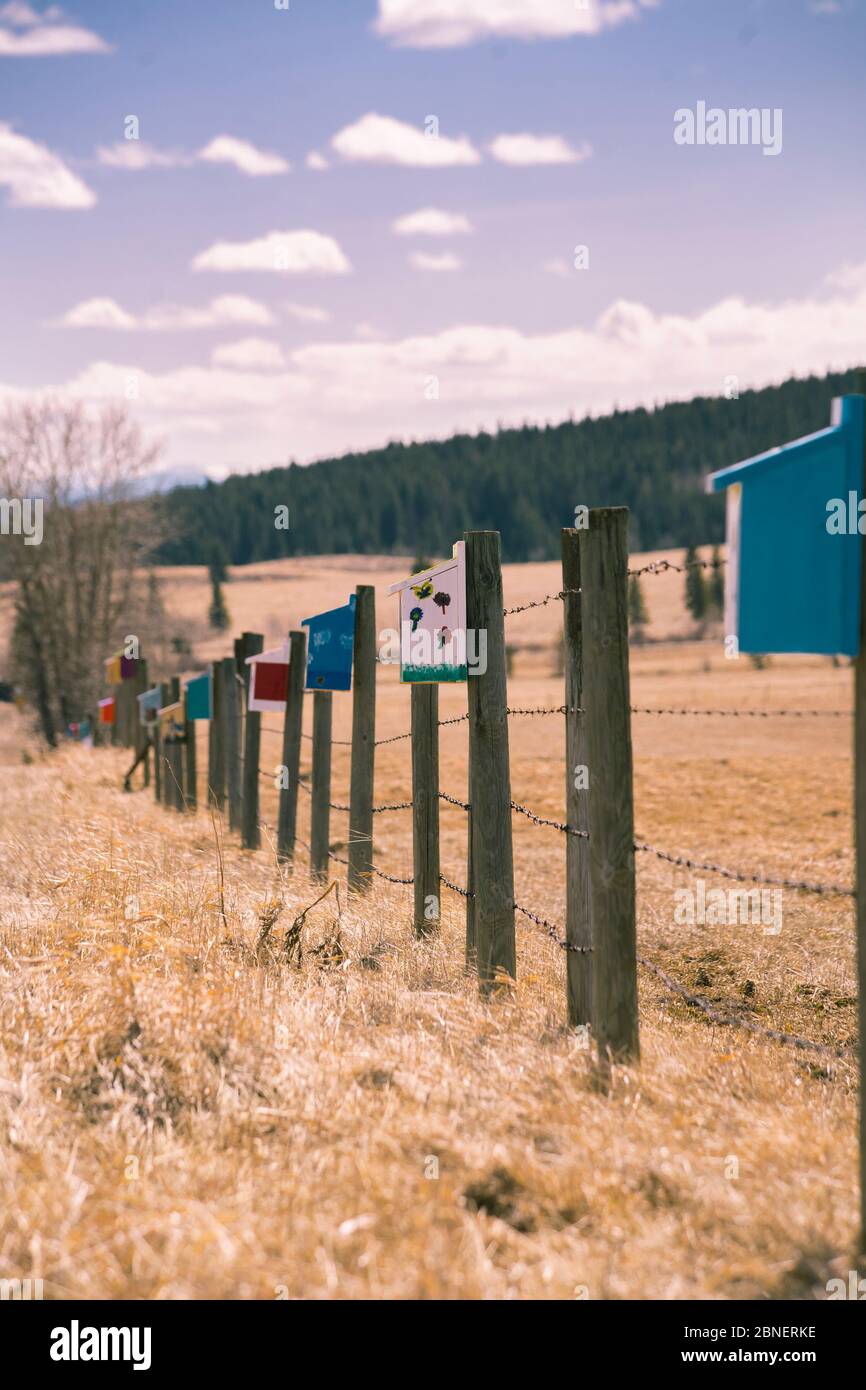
524	483
696	588
218	614
716	584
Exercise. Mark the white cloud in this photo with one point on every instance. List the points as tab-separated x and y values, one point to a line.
432	222
220	312
307	313
137	154
299	253
226	149
358	393
314	160
249	354
384	140
537	149
423	260
453	23
134	155
43	35
37	177
98	313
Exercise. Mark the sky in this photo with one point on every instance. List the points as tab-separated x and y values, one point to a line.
286	229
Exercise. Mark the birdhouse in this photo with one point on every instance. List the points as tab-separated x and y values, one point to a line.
113	671
795	533
330	648
172	722
106	710
269	680
148	705
199	697
433	622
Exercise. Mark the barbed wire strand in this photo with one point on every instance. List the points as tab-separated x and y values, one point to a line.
800	886
731	1021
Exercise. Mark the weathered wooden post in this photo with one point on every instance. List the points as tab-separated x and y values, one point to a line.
175	755
320	798
231	728
142	733
116	738
578	921
161	754
191	770
250	833
860	853
471	949
489	770
425	808
604	611
216	776
288	815
363	741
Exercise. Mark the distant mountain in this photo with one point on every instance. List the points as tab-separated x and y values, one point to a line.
165	479
416	499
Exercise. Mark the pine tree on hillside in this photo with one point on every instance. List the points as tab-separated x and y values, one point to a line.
218	614
696	587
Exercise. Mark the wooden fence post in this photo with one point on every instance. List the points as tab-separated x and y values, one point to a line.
363	741
231	728
287	822
164	776
142	734
175	756
471	947
216	776
604	609
860	856
191	777
320	798
250	834
578	921
425	808
117	692
490	786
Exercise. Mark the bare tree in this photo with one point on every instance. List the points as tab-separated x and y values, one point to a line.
80	583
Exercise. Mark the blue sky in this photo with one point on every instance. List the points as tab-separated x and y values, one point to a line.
254	309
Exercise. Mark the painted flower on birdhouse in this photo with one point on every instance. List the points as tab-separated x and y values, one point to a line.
442	600
415	617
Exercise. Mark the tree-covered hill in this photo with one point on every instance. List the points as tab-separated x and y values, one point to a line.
419	498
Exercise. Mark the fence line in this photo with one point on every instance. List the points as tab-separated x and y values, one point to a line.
174	786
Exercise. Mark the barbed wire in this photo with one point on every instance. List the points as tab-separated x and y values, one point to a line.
552	931
539	602
455	801
554	824
750	713
800	886
731	1021
455	887
659	567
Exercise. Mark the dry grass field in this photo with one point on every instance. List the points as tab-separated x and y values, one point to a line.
185	1117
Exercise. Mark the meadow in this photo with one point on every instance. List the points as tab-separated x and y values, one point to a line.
187	1115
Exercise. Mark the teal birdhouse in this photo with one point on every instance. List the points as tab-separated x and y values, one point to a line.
796	519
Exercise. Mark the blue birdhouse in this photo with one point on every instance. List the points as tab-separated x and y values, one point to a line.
795	533
330	648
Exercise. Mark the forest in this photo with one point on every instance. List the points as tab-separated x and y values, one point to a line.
417	499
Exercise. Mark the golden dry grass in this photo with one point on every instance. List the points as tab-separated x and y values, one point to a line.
185	1119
